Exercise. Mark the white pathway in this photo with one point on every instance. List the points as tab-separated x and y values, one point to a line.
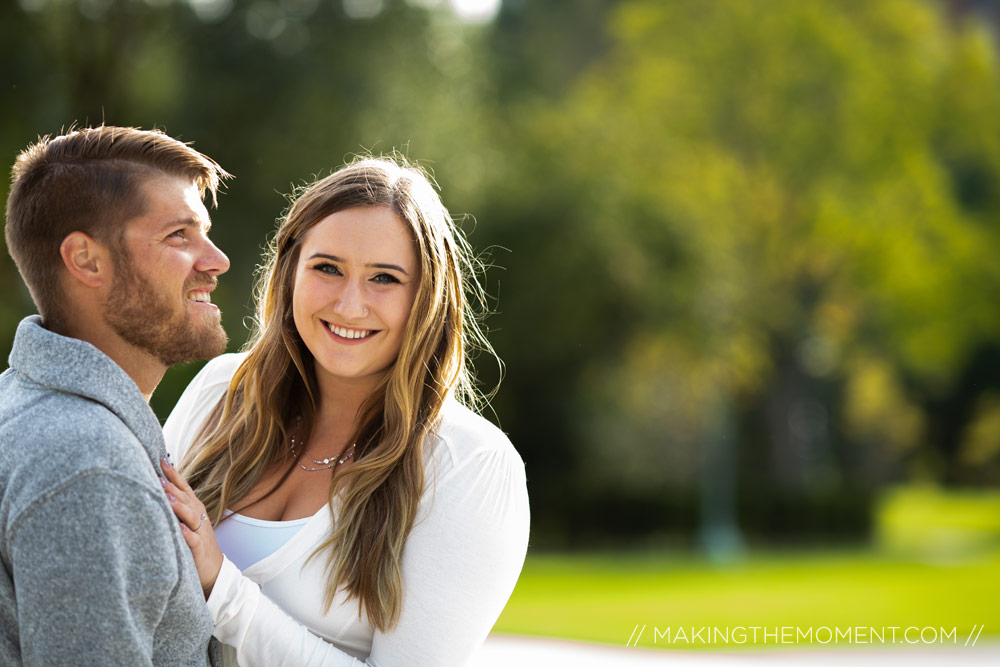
507	651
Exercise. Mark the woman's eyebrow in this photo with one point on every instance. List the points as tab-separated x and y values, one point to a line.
389	266
334	258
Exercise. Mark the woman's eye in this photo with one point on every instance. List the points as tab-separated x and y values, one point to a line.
328	269
385	279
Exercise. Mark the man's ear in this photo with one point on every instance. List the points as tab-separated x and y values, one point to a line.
87	259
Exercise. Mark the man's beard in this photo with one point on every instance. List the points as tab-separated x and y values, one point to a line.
144	317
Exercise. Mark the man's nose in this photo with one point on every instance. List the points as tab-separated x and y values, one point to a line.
212	261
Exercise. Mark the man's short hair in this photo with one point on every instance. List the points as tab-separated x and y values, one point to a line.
88	180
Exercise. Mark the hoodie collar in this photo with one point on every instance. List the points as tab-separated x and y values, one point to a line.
76	367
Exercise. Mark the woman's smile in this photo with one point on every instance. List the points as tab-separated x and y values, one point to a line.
349	335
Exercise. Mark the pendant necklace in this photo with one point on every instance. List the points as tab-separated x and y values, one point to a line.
319	464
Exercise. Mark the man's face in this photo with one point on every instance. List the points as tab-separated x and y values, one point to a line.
160	299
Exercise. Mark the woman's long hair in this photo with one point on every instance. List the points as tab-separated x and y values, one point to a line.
248	430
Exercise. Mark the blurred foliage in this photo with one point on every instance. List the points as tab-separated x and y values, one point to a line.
945	526
790	214
737	246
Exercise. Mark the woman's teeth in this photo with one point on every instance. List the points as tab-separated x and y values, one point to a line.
350	333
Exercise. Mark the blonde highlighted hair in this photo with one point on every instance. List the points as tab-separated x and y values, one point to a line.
248	430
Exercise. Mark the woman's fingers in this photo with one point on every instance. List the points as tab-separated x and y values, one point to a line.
195	526
185	504
175	477
206	553
191	515
173	482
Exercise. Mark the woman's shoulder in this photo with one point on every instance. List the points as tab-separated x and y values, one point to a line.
211	381
475	472
195	404
463	436
220	369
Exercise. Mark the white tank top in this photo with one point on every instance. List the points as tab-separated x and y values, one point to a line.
246	540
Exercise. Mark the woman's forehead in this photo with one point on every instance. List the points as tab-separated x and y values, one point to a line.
366	235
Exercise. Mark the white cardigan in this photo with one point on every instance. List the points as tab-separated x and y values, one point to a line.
460	562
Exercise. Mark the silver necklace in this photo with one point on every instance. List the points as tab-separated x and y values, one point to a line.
320	464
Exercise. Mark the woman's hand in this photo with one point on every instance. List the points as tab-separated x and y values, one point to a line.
195	526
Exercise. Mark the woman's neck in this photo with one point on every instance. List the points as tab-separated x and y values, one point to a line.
341	401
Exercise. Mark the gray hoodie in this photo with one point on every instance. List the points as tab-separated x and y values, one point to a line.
95	570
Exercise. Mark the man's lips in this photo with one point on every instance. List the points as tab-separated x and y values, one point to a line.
201	294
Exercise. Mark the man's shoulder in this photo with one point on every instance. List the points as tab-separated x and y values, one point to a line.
48	436
60	421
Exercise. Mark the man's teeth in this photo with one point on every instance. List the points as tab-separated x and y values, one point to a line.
350	333
200	297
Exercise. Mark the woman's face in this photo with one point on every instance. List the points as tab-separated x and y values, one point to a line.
355	283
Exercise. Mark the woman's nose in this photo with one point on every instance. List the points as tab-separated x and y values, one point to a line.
350	303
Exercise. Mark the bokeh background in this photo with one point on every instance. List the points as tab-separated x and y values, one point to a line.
744	260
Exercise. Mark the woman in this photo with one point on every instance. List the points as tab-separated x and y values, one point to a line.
365	513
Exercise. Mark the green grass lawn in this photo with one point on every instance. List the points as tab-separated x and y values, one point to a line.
602	598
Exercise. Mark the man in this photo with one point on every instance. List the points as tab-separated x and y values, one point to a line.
108	230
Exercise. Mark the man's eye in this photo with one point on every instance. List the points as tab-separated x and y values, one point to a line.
179	234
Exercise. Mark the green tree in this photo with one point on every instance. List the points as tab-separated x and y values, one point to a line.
783	211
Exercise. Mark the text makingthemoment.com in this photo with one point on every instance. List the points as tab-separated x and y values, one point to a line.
751	635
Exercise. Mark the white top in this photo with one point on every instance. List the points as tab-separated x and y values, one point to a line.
459	566
246	540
